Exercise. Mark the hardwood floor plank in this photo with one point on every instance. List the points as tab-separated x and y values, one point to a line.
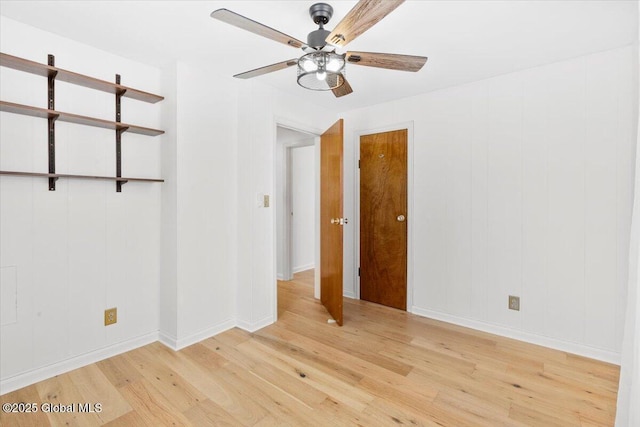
392	413
167	382
95	388
233	336
360	343
199	375
279	404
61	391
346	393
478	411
208	413
309	395
118	370
530	416
339	414
151	407
463	383
429	360
127	420
390	379
589	379
23	419
327	364
206	355
228	353
411	399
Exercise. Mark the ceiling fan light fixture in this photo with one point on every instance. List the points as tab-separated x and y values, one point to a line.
309	66
335	63
321	70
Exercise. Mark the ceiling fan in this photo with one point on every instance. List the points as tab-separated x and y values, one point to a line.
321	68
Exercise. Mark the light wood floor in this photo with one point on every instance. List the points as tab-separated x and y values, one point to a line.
383	367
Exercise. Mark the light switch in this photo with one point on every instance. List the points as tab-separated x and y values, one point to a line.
265	201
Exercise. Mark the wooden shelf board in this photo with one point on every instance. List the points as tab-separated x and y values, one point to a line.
45	70
27	110
64	175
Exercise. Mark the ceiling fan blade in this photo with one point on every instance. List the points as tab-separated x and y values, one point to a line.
391	61
240	21
343	90
363	16
268	69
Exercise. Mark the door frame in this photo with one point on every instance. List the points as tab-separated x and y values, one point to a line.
315	133
356	222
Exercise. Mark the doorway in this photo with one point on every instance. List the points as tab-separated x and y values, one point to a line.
383	212
295	205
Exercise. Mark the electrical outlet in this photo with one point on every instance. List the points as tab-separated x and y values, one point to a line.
110	316
514	303
265	202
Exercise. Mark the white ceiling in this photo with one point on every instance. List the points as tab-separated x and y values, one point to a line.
464	40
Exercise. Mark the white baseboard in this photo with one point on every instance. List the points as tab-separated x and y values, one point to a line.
252	327
168	340
567	346
303	268
24	379
178	344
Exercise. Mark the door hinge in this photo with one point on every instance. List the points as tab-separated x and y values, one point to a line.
358	271
358	164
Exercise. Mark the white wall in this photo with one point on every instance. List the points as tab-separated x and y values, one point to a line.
168	286
82	248
303	203
199	211
522	186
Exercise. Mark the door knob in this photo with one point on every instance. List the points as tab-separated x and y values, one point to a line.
400	218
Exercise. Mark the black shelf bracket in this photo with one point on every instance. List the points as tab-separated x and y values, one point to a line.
119	133
51	121
119	183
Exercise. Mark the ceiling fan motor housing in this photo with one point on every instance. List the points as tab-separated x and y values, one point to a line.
321	13
317	38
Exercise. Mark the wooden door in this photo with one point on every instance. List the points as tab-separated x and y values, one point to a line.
383	223
330	220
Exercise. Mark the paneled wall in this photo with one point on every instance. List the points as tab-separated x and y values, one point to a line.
522	186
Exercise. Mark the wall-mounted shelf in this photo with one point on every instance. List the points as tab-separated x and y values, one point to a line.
45	70
64	175
75	118
52	74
